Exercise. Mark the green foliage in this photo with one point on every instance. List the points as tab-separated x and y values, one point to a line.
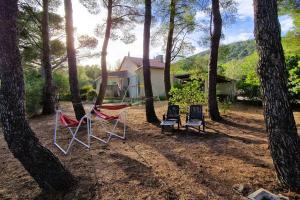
91	95
227	53
85	90
61	82
187	94
33	92
293	66
224	106
92	72
244	71
82	77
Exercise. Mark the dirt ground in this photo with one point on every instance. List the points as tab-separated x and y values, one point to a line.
230	160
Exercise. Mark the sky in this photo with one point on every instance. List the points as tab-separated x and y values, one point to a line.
85	23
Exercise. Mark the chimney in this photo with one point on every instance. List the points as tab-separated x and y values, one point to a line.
160	58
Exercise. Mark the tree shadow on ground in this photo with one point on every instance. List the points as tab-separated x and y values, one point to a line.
136	170
200	173
195	136
231	123
218	142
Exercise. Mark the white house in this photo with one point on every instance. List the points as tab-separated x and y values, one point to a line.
129	77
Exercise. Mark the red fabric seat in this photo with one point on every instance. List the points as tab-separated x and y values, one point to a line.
68	121
112	107
105	116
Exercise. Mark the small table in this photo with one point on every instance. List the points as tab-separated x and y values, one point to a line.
169	123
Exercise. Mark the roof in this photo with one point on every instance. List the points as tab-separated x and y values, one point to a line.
120	74
154	63
117	74
220	79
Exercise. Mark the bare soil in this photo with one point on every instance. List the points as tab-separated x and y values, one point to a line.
229	161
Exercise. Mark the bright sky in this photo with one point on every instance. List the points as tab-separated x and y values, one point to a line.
85	23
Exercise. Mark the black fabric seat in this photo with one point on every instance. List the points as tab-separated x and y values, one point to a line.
195	117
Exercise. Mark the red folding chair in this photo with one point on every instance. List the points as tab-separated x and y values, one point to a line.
73	126
106	120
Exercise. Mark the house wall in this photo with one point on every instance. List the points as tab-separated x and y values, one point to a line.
157	80
228	88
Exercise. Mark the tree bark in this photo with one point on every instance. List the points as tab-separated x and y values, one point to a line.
104	75
48	95
169	48
213	62
73	79
284	141
41	164
150	112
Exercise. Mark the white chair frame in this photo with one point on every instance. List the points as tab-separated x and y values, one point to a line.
122	118
73	131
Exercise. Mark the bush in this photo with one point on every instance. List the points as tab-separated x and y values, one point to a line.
61	81
91	95
84	91
188	94
293	67
33	92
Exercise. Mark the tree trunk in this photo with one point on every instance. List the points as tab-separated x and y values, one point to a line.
41	164
73	79
104	77
284	141
48	96
169	48
213	62
150	112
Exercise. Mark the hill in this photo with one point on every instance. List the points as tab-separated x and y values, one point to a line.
233	51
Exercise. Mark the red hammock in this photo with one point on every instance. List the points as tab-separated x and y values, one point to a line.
68	121
112	107
105	116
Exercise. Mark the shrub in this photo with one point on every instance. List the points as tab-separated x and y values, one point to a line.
188	94
61	81
91	95
84	91
33	92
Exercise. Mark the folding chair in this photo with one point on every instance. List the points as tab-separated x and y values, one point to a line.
171	118
73	126
106	120
195	117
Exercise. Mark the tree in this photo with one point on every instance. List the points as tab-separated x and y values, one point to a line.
48	96
213	61
167	79
104	74
121	18
150	112
177	21
73	79
284	141
41	164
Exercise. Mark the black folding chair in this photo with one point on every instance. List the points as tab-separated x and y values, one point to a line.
195	117
171	118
